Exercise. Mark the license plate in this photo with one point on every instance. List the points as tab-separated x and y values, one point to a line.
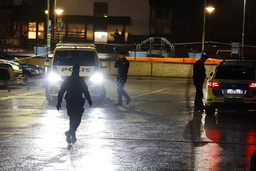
234	91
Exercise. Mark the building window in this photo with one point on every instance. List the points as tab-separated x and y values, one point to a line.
100	9
100	37
41	30
32	30
89	33
76	30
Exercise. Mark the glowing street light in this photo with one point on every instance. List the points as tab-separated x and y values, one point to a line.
59	11
209	9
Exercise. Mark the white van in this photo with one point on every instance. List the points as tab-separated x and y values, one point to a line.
64	57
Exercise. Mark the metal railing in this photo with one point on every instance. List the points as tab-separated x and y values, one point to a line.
153	44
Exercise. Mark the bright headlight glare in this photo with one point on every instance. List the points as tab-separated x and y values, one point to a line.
96	78
53	77
15	67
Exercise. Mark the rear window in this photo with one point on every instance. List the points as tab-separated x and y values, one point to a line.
235	73
83	58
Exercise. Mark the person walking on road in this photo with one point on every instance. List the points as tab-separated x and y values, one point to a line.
75	87
122	65
198	78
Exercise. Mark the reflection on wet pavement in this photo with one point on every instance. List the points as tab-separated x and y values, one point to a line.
158	130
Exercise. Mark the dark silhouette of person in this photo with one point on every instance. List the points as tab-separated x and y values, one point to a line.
122	65
116	36
198	78
75	87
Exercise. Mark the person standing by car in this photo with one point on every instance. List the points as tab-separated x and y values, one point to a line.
198	78
75	87
122	65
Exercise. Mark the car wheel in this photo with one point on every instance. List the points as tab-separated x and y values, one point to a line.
209	110
50	98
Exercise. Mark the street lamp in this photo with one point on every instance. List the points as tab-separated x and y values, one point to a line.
206	9
60	22
54	21
242	48
48	40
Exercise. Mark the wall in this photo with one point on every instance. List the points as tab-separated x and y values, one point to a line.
157	69
144	68
139	12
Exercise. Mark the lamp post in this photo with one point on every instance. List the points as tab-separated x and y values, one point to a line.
48	39
242	46
60	22
206	9
54	22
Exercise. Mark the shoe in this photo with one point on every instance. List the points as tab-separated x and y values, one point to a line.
74	139
128	100
118	104
68	137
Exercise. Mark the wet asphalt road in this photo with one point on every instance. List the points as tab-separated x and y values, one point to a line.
157	131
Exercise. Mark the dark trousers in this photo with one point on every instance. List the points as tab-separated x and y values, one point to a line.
120	90
75	110
198	103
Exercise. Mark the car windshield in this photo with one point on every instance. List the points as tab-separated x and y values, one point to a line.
83	58
235	73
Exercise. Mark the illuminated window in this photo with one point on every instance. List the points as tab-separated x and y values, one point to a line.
32	30
100	37
89	33
76	30
41	30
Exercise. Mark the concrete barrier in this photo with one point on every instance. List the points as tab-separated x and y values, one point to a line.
144	68
157	69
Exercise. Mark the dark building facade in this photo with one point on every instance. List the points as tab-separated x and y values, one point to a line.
23	22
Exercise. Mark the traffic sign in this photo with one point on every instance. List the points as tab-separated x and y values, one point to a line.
49	34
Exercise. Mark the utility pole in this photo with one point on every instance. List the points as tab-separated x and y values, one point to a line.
203	35
46	64
242	48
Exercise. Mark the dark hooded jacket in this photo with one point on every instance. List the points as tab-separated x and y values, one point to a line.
75	87
199	72
122	68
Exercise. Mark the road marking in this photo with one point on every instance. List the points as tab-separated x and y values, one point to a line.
21	95
132	97
153	92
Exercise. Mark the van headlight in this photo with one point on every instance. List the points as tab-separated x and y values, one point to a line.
96	78
15	67
54	77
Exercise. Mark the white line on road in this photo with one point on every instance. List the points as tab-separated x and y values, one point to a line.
152	92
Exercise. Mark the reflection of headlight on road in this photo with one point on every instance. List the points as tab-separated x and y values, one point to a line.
96	78
15	67
53	77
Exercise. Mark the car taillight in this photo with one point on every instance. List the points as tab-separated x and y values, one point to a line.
252	85
212	84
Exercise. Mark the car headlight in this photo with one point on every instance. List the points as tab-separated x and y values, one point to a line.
53	77
96	78
15	67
